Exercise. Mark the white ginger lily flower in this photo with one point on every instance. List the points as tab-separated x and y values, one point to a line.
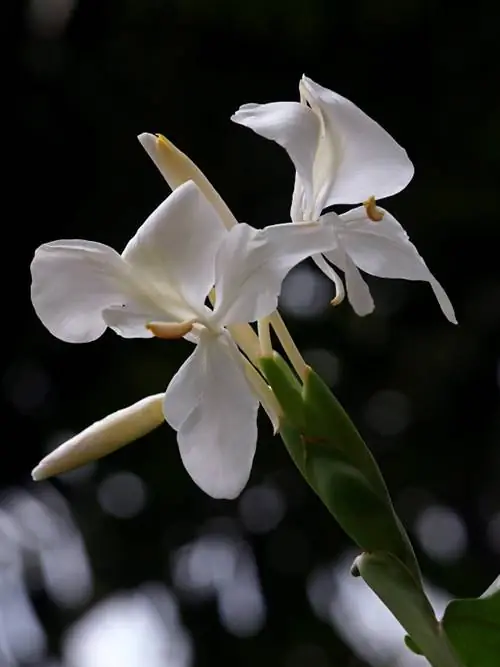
341	156
158	287
177	168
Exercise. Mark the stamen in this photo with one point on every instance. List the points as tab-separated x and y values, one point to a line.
170	330
374	213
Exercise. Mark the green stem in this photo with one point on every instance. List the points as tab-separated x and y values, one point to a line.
393	583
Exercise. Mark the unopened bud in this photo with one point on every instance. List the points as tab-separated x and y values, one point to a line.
103	437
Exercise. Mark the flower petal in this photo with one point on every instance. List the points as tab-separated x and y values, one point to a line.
175	248
103	437
217	439
74	282
252	263
185	389
369	161
294	127
384	249
358	292
176	168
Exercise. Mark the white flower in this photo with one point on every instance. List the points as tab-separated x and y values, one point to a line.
159	286
342	156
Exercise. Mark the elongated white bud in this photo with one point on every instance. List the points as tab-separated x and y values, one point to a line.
176	168
103	437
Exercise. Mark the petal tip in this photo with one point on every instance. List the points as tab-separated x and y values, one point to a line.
145	138
39	473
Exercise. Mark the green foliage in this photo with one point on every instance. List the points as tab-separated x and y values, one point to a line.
332	457
473	626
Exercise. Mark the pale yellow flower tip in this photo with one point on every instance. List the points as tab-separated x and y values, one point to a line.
103	437
177	168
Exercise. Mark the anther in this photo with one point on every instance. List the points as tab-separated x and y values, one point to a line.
374	213
169	330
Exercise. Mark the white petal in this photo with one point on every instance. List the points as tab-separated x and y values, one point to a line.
294	127
369	162
185	389
175	248
383	249
74	282
103	437
177	168
252	263
358	291
217	440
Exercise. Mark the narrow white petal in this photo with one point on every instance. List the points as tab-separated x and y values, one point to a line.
103	437
294	127
74	282
177	168
217	440
384	249
368	161
175	248
358	291
252	263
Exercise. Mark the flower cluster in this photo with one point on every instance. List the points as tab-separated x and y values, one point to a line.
193	271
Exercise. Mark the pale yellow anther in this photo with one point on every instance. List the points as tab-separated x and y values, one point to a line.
374	213
169	330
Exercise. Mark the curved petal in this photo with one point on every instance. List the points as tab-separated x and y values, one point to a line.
358	292
217	439
175	248
384	249
330	273
369	162
294	127
252	263
74	282
103	437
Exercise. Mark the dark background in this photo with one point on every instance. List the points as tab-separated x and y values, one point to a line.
131	544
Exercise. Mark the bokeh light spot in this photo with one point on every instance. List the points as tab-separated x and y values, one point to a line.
122	495
441	533
325	363
388	412
305	292
262	508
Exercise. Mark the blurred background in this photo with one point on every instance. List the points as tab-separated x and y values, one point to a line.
126	562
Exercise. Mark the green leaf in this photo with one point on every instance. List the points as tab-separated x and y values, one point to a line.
395	585
347	478
473	627
327	420
365	516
